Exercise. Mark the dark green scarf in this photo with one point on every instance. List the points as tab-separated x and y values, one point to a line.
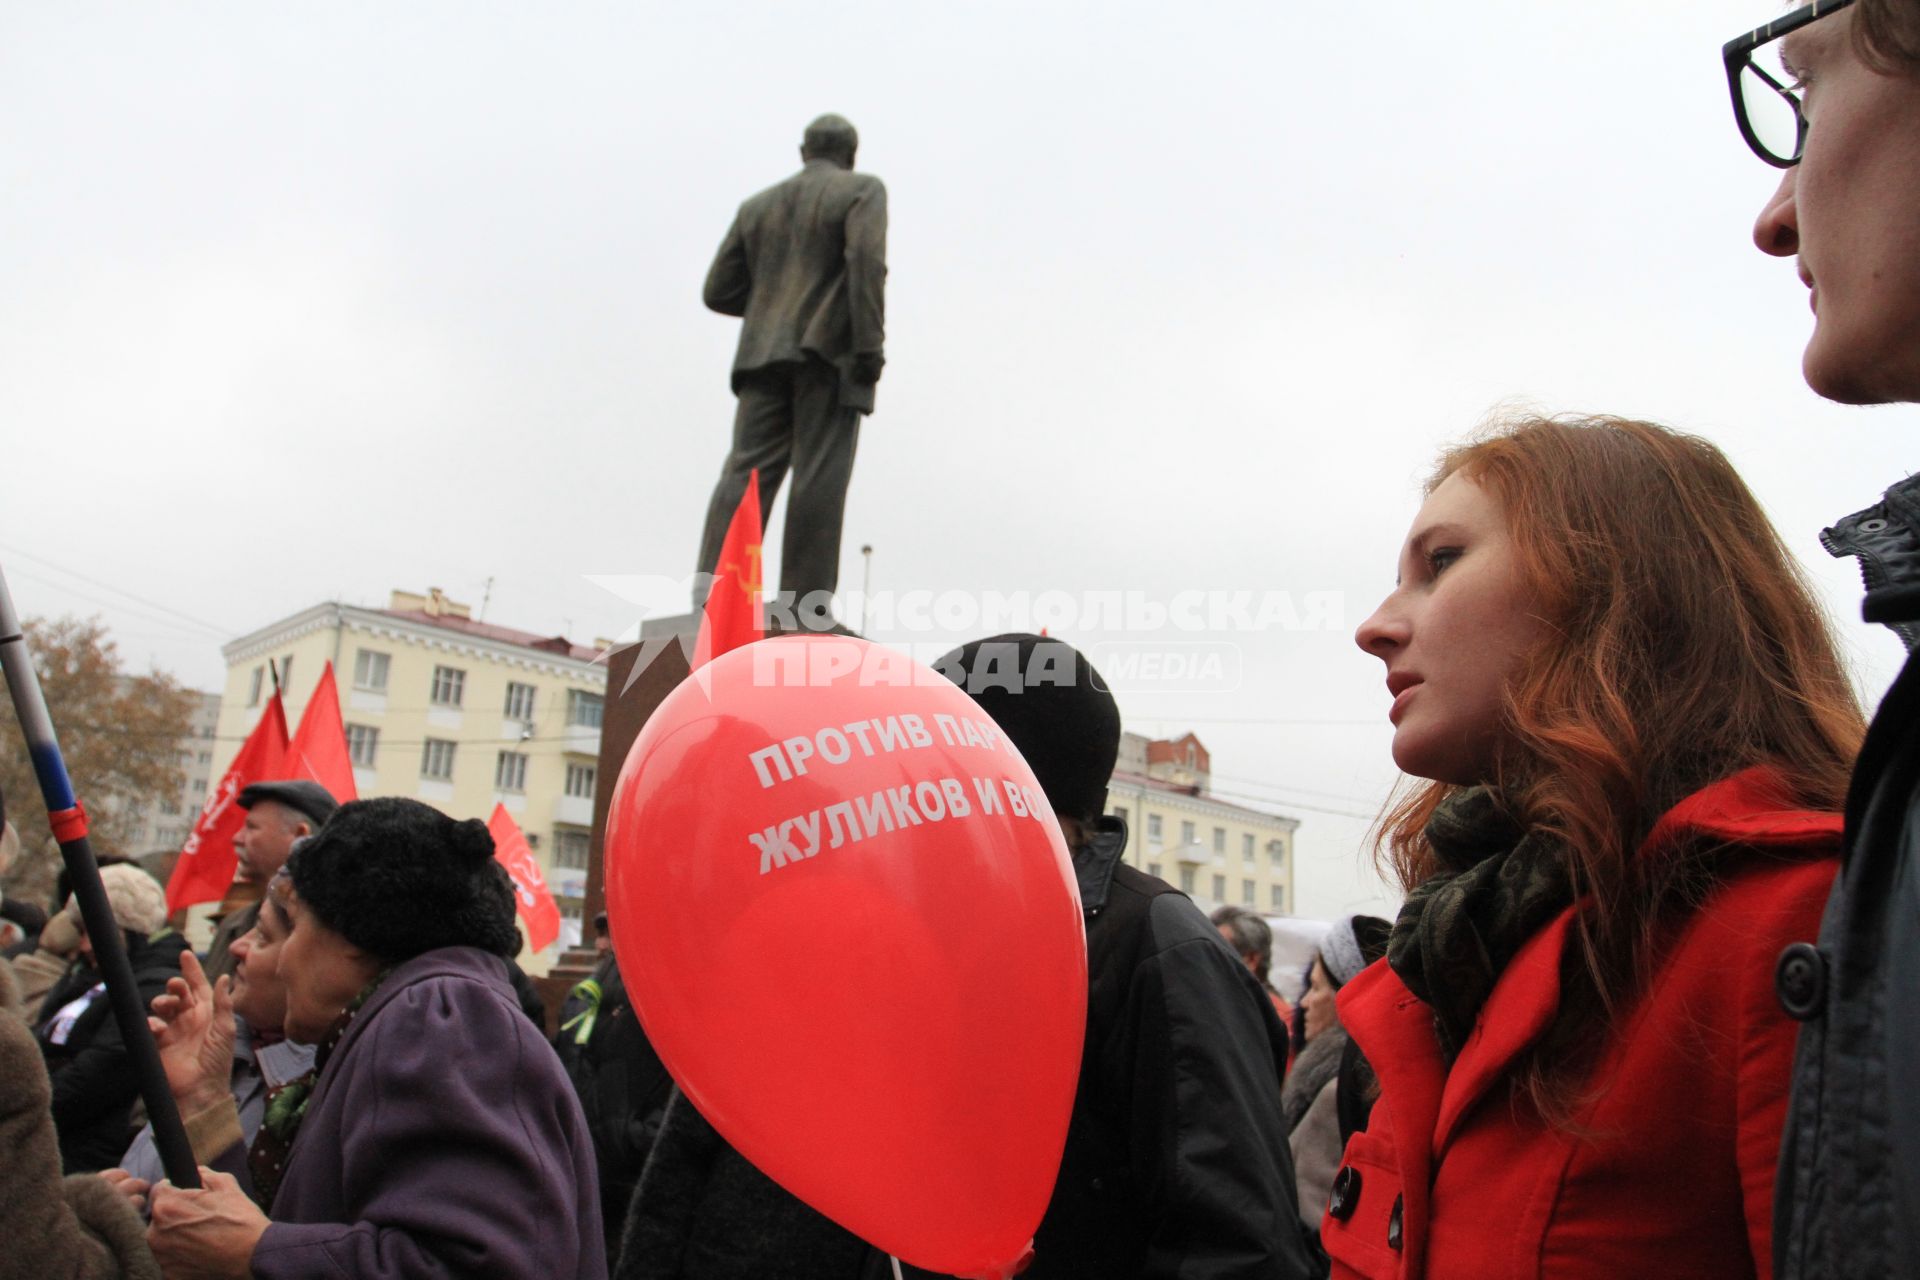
1496	887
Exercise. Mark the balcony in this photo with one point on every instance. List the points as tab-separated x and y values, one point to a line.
573	811
581	740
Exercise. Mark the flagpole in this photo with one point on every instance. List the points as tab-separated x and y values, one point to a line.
69	822
866	591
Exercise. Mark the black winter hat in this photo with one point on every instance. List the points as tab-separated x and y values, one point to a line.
396	878
1048	698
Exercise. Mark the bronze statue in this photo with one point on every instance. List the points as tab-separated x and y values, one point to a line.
804	265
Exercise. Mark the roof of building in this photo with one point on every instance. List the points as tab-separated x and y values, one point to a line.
490	631
1192	791
1174	750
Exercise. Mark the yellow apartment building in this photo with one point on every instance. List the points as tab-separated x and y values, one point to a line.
1213	850
439	706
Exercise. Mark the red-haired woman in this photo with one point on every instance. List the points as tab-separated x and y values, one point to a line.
1636	736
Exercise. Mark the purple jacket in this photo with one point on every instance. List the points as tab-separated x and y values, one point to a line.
442	1140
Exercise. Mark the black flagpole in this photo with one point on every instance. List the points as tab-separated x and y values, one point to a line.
109	949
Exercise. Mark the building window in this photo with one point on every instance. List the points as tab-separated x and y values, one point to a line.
1279	898
1246	893
510	771
519	701
1153	828
206	757
449	687
286	672
1186	879
362	741
370	670
1219	888
585	708
580	778
1120	812
1246	847
436	759
253	689
1187	835
170	805
1153	869
570	850
1220	840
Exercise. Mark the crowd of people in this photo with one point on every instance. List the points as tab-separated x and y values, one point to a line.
1646	1009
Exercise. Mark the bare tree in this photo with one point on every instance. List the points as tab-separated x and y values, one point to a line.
120	735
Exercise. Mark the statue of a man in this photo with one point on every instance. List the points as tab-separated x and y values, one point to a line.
804	265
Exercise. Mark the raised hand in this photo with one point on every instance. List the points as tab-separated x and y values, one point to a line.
193	1025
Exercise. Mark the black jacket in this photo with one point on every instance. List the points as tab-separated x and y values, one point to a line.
622	1085
94	1081
1847	1197
1176	1161
704	1212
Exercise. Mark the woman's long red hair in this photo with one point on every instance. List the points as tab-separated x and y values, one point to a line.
1688	647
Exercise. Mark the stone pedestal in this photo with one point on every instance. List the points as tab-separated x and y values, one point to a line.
667	641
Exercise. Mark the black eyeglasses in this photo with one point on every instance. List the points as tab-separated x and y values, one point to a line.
1767	110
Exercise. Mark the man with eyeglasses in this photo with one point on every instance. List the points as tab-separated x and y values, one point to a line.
1830	93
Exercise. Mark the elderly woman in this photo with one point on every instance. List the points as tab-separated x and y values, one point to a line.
441	1136
252	1001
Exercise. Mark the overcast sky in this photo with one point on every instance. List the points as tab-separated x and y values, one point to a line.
311	302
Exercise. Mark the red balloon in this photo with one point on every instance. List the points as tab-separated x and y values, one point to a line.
850	926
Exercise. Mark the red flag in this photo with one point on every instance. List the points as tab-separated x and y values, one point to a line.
320	743
530	896
732	616
207	860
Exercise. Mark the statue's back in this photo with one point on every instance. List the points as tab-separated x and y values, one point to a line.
811	245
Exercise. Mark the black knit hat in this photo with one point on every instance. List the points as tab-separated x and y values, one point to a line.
1048	698
396	877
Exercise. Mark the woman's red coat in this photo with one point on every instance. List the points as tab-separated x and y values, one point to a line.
1672	1173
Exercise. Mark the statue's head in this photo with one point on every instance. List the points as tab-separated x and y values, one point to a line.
832	138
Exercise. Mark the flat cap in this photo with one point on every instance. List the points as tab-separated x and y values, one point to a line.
299	794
